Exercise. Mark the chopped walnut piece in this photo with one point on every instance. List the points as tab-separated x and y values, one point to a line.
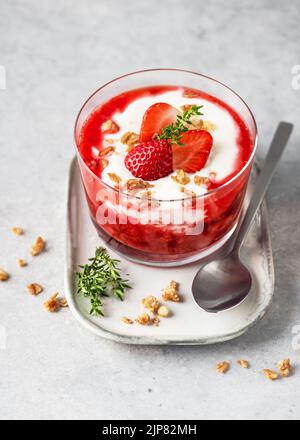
188	192
284	367
34	288
151	303
103	163
135	184
3	275
63	302
21	263
106	151
243	363
109	126
17	231
170	293
199	180
127	320
163	311
222	367
130	139
38	246
190	93
181	177
143	319
53	303
115	178
271	375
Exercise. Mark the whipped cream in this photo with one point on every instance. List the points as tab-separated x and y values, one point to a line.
222	159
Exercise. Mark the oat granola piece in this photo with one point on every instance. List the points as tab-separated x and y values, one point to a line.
127	320
103	163
243	363
63	302
199	180
109	126
107	151
38	246
17	230
284	367
181	177
271	375
163	311
115	178
21	262
222	367
53	303
3	275
136	184
34	289
130	139
143	319
151	303
170	293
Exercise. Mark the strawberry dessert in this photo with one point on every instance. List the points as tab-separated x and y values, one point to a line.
165	169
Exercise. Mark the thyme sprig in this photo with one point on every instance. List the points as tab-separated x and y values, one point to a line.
174	132
100	279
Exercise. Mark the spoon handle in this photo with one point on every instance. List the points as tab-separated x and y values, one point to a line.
276	149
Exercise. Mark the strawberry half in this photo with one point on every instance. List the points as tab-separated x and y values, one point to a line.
150	160
156	117
193	155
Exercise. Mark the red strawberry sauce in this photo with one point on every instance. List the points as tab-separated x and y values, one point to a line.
157	242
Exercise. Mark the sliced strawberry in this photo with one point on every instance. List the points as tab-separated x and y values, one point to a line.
150	160
193	155
156	117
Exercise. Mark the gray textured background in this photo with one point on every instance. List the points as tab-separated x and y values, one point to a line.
55	55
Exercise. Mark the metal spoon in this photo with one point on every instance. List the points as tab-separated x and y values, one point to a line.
225	282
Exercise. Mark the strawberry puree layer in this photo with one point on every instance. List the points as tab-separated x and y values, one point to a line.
231	147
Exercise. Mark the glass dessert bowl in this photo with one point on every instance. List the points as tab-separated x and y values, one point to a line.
165	157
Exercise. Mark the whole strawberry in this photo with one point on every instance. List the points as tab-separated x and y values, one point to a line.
150	160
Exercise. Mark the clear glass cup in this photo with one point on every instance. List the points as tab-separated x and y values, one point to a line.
165	232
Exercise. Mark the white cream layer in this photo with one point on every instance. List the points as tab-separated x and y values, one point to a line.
222	159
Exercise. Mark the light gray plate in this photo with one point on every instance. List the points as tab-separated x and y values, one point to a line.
188	324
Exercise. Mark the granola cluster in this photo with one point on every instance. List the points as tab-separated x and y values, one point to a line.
181	177
137	184
130	139
170	293
38	247
109	126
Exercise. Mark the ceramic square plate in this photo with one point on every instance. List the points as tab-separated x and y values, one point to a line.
188	323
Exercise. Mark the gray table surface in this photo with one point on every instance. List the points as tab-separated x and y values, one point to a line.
55	54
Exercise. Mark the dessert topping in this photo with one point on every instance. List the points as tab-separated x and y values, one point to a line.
127	320
284	367
109	126
17	231
34	288
222	367
170	293
130	139
151	303
271	375
243	363
3	275
115	178
38	246
181	177
136	184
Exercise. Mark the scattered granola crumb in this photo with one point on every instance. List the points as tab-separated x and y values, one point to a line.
143	319
53	303
109	126
170	293
130	139
135	184
21	263
243	363
151	303
127	320
163	311
271	375
17	231
34	288
103	163
3	275
181	177
146	194
222	367
106	151
284	367
38	246
63	302
188	192
155	321
199	180
115	178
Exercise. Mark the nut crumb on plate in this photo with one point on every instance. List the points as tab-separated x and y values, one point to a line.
269	374
284	367
3	275
17	230
151	303
243	363
21	262
53	303
143	319
34	288
127	320
63	302
222	367
38	246
170	293
163	311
